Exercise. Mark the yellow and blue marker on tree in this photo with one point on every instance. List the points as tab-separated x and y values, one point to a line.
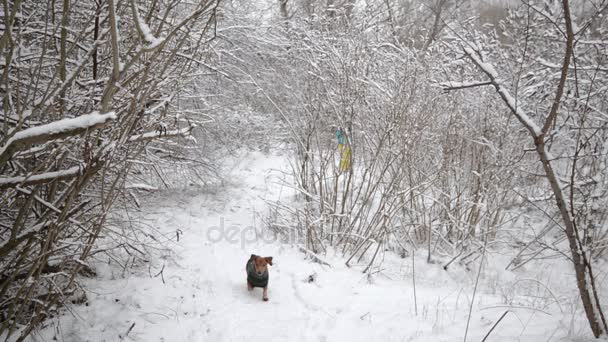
344	149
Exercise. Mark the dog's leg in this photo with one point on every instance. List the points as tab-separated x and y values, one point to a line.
249	287
265	294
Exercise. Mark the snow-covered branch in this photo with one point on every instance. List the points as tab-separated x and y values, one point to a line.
519	113
144	30
54	130
141	186
160	134
9	182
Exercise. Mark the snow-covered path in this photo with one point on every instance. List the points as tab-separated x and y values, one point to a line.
201	294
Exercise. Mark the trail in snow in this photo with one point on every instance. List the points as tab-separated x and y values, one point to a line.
204	295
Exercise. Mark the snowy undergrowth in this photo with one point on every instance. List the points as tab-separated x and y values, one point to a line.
201	295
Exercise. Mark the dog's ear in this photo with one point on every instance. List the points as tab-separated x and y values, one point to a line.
252	257
269	260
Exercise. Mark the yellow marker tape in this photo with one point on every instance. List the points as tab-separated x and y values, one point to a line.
345	156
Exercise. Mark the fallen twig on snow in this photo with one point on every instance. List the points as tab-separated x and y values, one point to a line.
494	326
314	256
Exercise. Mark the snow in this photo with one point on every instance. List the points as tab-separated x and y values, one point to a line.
141	186
487	67
116	31
61	126
592	42
201	293
548	64
145	30
6	181
83	121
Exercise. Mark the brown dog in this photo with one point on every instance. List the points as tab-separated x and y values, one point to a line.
257	273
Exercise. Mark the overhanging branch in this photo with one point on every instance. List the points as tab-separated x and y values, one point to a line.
54	130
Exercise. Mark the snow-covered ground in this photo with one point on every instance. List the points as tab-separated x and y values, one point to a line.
201	294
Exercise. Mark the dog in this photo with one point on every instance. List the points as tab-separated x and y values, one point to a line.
257	273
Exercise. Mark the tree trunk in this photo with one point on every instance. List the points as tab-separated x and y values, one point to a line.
65	20
577	260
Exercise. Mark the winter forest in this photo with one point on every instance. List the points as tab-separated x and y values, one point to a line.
418	170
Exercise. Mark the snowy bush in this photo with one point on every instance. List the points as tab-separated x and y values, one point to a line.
91	102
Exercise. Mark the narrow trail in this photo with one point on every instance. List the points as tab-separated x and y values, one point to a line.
201	294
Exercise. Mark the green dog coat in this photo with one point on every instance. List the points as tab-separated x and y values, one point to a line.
253	278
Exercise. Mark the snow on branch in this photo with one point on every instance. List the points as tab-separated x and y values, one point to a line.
160	133
53	130
11	182
163	103
144	30
141	186
519	113
547	64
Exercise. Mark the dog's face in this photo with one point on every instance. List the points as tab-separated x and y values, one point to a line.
261	264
